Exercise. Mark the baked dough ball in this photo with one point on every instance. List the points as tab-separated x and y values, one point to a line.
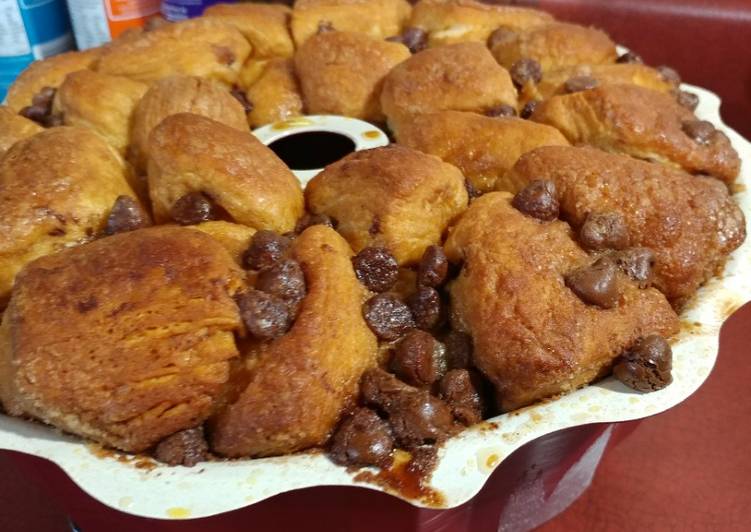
49	72
299	384
554	81
100	102
275	95
14	127
204	47
265	26
392	197
181	94
462	77
642	123
56	190
235	238
125	340
690	223
452	21
376	18
342	73
555	45
191	153
533	337
483	148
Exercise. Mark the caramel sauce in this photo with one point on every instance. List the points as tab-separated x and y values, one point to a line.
139	461
290	123
406	478
372	134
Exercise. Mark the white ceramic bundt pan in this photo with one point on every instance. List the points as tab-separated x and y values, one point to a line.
465	462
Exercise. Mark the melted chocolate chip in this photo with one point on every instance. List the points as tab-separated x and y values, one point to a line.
605	230
529	108
472	192
433	268
44	97
629	57
689	100
419	359
185	448
647	365
637	263
501	36
503	110
525	70
193	208
265	316
285	280
596	284
309	220
700	131
224	55
461	392
362	439
387	317
40	110
416	39
266	249
376	268
669	74
539	199
580	83
126	215
425	305
458	349
241	97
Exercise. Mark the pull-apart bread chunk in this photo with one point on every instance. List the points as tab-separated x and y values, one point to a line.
483	148
56	190
275	94
690	223
14	127
533	335
460	77
292	390
200	170
265	26
376	18
453	21
204	47
392	197
642	123
125	340
342	73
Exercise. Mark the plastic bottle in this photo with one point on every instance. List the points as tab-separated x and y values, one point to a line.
96	22
174	10
29	30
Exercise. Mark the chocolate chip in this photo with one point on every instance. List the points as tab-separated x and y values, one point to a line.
629	57
425	305
241	97
126	215
186	448
193	208
669	74
458	349
53	120
419	359
529	108
362	439
472	192
266	249
525	70
285	280
596	284
700	131
44	97
538	199
689	100
416	39
35	113
637	263
504	110
264	315
606	230
387	317
461	392
647	365
376	268
325	26
580	83
309	219
40	110
501	36
224	55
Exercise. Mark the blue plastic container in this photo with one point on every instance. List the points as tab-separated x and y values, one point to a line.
174	10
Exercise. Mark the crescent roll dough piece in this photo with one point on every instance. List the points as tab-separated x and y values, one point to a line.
14	127
265	26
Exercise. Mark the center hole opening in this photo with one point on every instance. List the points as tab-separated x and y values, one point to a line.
312	149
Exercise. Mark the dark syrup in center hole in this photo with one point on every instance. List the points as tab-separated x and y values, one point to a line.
312	149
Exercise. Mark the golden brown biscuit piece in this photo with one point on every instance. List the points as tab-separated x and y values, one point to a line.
203	47
460	77
453	21
533	337
125	340
393	197
191	153
554	81
235	238
690	222
342	73
275	95
265	26
100	102
377	18
294	389
56	190
642	123
14	127
555	45
181	94
483	148
49	72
